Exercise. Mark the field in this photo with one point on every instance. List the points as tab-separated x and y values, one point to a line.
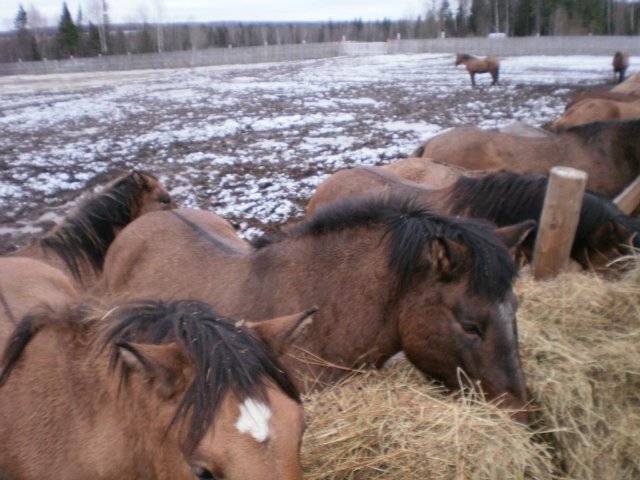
252	142
249	142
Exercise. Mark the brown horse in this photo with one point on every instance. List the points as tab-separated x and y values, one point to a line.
479	65
387	274
596	110
25	284
149	390
604	233
620	65
78	245
602	94
608	151
631	86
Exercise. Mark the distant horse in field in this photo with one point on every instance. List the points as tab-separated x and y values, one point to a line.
608	151
620	65
596	110
78	245
604	233
25	284
148	390
386	273
475	65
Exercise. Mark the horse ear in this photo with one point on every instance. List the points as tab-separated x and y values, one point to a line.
139	178
445	258
280	333
514	235
160	364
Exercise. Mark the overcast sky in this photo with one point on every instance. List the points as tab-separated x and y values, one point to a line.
215	10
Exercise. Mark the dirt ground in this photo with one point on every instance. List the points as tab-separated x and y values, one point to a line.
249	142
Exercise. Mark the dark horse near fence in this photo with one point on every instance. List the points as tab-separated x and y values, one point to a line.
604	233
77	246
386	273
148	390
608	151
475	65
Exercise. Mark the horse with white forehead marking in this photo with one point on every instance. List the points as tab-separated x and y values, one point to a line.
160	391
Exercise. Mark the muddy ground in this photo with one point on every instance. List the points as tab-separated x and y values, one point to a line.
249	142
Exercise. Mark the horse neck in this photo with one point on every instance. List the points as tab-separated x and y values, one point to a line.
346	275
63	401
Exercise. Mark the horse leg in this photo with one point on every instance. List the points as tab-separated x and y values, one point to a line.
495	74
473	79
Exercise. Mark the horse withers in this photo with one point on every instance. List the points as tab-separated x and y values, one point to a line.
387	274
160	391
620	64
476	65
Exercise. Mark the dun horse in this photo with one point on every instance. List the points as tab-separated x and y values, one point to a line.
148	391
475	65
608	151
77	246
386	273
596	110
631	86
604	233
620	65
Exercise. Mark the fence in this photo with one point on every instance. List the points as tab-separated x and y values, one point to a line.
591	45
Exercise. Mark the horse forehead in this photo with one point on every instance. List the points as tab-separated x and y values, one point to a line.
254	419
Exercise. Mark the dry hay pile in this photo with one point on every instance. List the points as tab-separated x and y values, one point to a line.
580	339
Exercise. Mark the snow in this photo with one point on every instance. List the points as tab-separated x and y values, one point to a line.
251	142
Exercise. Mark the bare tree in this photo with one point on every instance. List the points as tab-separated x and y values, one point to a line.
97	11
160	11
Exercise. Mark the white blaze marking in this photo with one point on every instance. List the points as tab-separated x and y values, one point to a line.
254	419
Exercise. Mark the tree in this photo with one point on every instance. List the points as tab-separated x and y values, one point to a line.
462	19
27	47
447	23
479	19
68	35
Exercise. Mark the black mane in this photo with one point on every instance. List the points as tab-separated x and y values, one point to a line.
589	132
412	229
86	234
225	357
506	198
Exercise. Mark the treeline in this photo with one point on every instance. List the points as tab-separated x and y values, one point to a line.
33	39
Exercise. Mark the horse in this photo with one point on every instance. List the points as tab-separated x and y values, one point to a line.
387	274
77	246
603	234
631	86
25	284
602	94
154	390
620	64
479	65
608	151
596	110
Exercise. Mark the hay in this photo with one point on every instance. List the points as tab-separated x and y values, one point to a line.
580	340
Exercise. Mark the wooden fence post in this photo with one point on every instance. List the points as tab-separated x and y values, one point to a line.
629	199
559	221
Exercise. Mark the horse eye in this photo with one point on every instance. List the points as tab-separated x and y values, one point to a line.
471	329
203	473
164	199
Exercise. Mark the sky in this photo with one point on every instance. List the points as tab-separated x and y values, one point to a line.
219	10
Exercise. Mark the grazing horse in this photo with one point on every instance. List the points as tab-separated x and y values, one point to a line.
620	65
631	86
78	245
603	234
479	65
160	391
608	151
387	274
596	110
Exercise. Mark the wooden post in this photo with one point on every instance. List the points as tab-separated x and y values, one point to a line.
559	221
629	199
